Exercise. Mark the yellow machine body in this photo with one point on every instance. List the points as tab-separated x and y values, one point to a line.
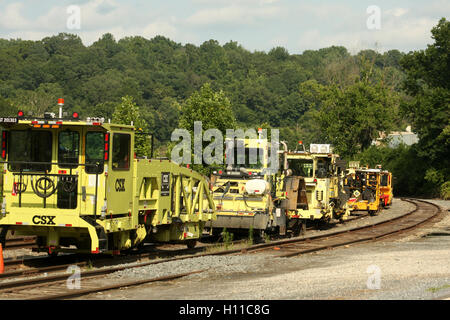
386	189
364	185
77	186
243	192
318	194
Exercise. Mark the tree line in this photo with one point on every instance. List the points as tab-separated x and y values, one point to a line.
319	96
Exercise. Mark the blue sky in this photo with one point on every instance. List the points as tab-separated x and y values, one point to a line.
255	24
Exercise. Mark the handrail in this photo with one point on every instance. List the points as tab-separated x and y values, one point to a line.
46	174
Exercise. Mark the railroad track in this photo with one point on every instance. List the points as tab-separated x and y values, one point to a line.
19	243
423	213
55	286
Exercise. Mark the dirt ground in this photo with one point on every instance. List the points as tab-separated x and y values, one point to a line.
413	267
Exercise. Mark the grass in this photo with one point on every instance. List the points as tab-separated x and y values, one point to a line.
228	244
434	290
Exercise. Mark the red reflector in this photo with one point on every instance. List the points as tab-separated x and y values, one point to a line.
34	122
62	171
220	171
18	222
3	154
106	146
106	156
68	225
107	137
58	122
95	251
96	123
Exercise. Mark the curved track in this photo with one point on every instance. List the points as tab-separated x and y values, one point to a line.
424	212
54	286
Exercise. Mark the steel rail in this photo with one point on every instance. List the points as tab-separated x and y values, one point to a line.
371	232
309	241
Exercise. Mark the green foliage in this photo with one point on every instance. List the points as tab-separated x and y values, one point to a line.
410	172
428	82
227	238
128	113
212	109
319	96
351	118
445	190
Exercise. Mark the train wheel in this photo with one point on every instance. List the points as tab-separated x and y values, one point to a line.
261	235
52	254
191	243
299	229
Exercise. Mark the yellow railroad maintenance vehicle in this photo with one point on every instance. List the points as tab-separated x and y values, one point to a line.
311	186
364	185
78	187
386	190
243	191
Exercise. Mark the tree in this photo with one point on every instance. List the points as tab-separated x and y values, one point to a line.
428	82
43	99
127	112
351	118
212	109
7	109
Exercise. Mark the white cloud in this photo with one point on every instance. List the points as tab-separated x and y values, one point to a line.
234	14
405	34
397	12
11	17
256	24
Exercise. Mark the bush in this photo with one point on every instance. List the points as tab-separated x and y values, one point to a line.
445	190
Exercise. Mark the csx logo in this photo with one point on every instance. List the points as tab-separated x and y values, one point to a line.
120	185
44	220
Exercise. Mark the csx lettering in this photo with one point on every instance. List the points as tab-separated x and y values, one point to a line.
44	220
120	185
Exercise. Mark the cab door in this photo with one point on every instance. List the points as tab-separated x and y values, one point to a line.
120	175
93	174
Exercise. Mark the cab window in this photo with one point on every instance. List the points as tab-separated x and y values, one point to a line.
324	168
30	147
301	167
384	180
121	151
68	148
95	151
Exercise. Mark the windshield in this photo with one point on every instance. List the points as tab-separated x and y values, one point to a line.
301	167
30	146
324	167
68	146
384	180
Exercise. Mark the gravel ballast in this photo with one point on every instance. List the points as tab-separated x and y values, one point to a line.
414	267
